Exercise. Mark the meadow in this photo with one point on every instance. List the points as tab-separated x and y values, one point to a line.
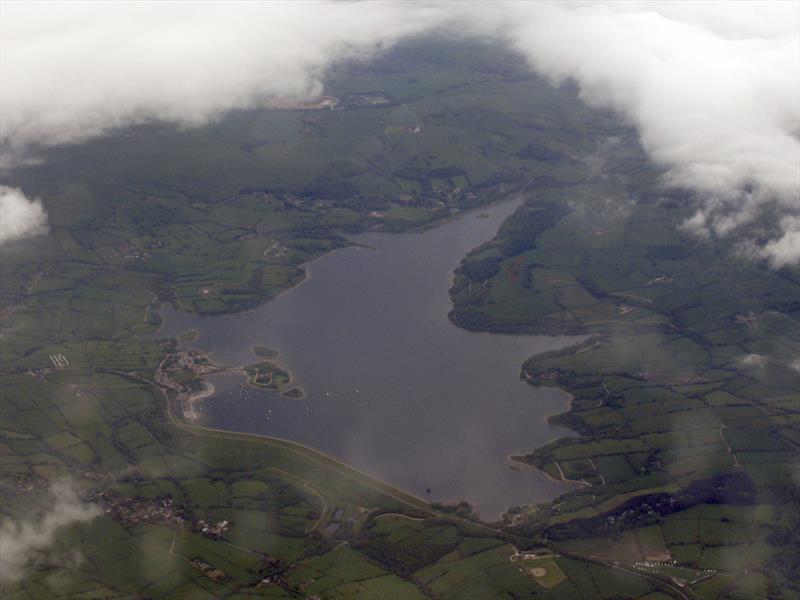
688	377
222	218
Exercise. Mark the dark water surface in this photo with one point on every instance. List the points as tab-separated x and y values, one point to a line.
392	387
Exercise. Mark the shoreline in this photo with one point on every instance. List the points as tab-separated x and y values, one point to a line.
287	388
192	414
344	469
516	459
192	418
308	453
306	266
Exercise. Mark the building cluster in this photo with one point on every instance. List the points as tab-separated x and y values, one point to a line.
211	530
133	253
59	360
745	319
130	512
42	373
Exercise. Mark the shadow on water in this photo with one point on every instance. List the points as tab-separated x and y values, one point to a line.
392	387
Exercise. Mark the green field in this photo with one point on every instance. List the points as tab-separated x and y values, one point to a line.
685	395
544	571
687	449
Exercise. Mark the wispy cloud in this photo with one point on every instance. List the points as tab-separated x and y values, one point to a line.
19	216
20	540
713	90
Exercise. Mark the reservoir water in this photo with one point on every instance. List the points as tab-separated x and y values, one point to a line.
392	386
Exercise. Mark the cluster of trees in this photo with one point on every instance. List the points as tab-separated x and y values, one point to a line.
517	235
735	489
520	231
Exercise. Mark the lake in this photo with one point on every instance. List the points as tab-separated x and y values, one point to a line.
392	386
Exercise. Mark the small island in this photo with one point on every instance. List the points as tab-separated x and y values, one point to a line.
295	393
264	352
267	375
189	336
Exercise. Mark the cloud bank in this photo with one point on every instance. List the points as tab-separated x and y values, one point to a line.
19	541
713	88
19	216
71	71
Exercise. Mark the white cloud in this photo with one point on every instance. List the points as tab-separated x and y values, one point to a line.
19	541
713	88
784	250
753	361
75	70
19	216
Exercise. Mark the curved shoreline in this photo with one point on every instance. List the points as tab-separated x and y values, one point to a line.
306	452
190	418
306	269
330	462
191	412
506	207
313	455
